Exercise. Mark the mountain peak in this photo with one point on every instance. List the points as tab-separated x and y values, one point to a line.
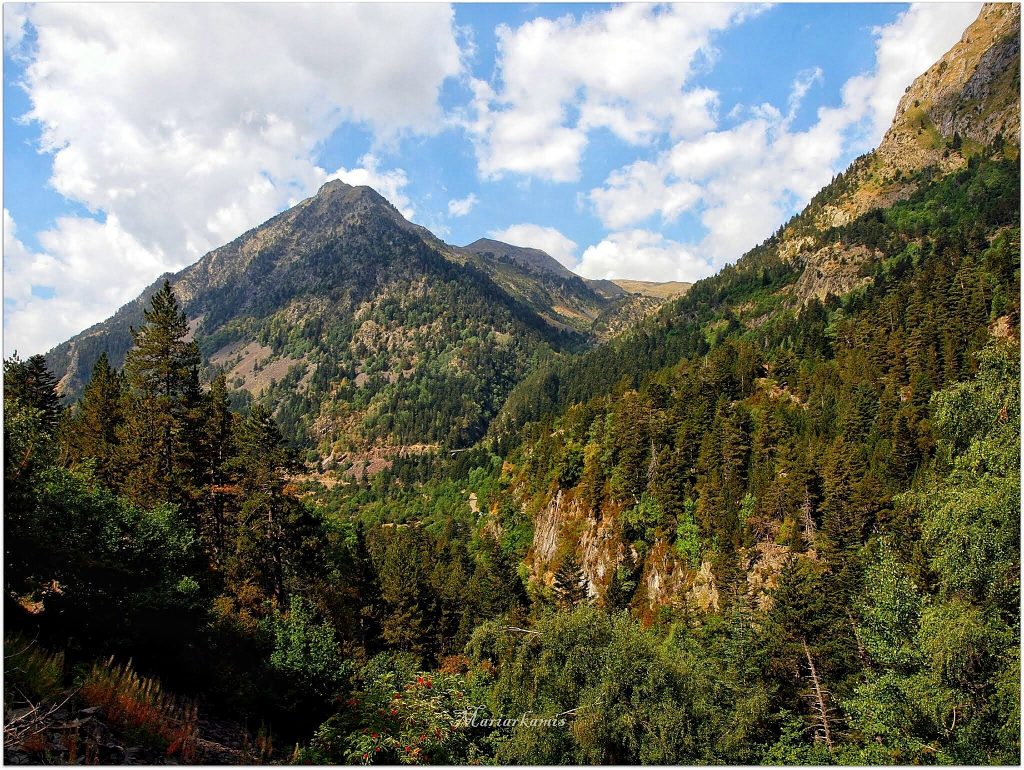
336	190
965	103
333	186
531	258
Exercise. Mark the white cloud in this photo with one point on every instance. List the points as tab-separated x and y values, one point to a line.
459	207
116	264
644	256
627	70
907	48
14	25
182	125
547	239
804	82
637	191
746	180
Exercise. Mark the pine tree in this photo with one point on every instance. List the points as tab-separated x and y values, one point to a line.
92	433
408	602
570	585
160	370
624	584
217	449
277	539
31	384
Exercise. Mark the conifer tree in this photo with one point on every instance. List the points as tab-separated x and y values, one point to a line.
92	433
160	370
217	449
624	584
276	537
31	383
570	586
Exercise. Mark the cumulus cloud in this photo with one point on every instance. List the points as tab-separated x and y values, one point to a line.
44	301
637	191
181	125
14	26
642	255
459	207
746	180
627	70
547	239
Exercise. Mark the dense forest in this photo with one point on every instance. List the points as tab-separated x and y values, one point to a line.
838	480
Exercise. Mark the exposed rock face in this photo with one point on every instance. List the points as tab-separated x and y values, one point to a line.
704	592
603	551
547	533
831	270
564	524
664	578
966	101
971	94
974	89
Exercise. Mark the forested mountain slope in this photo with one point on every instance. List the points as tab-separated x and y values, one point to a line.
813	255
776	522
366	334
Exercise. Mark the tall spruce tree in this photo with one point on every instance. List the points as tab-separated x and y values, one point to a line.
31	384
160	370
92	432
570	584
217	449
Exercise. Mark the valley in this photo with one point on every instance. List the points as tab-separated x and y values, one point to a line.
349	492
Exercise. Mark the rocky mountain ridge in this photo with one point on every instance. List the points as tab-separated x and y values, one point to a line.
338	311
966	103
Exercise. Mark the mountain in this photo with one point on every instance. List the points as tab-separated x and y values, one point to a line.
967	100
666	290
362	329
812	255
533	260
339	311
697	450
774	522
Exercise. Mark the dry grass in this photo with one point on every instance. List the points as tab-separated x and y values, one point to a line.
138	705
37	674
662	290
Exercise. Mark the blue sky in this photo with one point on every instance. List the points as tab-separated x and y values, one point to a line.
652	142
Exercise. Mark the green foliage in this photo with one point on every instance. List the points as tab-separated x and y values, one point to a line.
31	384
642	520
688	535
398	715
305	649
91	433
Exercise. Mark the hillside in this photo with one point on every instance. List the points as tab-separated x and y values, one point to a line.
363	330
780	409
811	256
774	520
